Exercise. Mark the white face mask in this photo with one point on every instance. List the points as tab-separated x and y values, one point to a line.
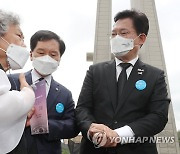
45	65
120	46
17	56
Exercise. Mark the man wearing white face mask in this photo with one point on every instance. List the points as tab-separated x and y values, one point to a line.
14	105
46	50
123	100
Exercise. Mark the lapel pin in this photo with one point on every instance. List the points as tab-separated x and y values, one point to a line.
59	107
140	85
57	89
140	70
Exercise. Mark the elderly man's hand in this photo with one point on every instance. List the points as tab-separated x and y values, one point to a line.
23	82
29	116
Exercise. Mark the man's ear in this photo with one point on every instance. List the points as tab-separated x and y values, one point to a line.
142	39
31	56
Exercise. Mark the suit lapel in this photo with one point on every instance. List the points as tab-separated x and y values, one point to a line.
110	72
53	93
28	77
130	85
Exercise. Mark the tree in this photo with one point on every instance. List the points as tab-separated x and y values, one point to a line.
178	136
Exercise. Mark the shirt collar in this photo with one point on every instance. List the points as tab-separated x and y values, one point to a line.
133	61
36	76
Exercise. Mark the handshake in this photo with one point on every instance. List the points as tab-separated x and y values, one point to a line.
102	136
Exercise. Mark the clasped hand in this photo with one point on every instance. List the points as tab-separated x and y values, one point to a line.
102	133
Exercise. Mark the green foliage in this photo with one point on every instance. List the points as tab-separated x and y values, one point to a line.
178	136
65	151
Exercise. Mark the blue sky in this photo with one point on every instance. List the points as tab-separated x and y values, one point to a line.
74	21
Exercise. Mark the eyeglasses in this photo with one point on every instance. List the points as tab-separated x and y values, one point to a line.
122	33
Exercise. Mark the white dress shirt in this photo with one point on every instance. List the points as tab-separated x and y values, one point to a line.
14	106
36	77
124	131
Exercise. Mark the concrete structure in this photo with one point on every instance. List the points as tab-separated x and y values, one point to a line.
151	53
103	31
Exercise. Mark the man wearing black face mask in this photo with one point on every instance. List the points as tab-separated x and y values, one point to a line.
14	105
124	99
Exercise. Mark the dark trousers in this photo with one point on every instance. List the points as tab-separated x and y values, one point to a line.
21	147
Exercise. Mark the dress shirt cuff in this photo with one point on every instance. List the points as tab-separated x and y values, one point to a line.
125	133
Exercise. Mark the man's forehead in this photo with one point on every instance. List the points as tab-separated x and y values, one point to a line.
124	24
47	44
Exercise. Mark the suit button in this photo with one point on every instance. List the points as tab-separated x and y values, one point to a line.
115	122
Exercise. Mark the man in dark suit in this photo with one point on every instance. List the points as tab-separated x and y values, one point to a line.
46	51
123	98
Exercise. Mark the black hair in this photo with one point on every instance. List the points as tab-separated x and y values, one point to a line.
140	20
45	35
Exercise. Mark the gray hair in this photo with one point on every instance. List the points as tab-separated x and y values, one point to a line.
6	19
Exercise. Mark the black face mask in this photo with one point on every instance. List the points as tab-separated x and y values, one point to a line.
1	67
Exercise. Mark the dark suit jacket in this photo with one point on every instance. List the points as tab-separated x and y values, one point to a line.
61	125
145	111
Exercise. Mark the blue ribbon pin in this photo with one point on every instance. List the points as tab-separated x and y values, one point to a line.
59	107
140	85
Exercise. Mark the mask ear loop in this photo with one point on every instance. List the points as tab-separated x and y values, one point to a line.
137	37
6	59
5	41
5	52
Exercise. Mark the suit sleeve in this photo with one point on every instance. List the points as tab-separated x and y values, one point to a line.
84	109
157	116
65	127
